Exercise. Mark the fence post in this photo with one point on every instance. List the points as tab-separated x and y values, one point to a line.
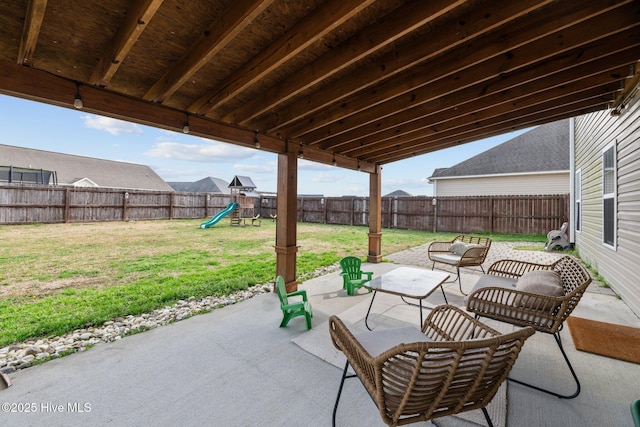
66	204
434	203
171	202
125	204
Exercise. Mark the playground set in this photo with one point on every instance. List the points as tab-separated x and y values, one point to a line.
241	208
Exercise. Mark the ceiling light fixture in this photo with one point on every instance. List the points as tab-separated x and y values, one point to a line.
77	102
185	128
301	152
255	138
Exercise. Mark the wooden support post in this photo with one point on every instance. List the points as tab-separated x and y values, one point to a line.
375	216
287	213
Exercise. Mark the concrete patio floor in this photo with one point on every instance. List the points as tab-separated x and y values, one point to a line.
235	367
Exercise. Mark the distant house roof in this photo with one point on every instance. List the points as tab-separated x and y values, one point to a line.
242	182
398	193
71	168
205	185
542	149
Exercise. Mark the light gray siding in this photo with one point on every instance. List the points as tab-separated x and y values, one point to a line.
619	265
504	185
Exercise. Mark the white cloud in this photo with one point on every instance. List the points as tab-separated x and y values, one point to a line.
268	167
327	178
112	126
312	166
216	152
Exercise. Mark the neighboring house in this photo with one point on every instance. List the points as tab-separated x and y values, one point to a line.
83	171
534	163
398	193
606	197
205	185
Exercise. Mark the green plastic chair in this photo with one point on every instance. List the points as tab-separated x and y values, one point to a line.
352	275
293	309
635	412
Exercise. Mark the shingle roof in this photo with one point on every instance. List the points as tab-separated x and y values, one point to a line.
544	148
205	185
242	182
71	168
398	193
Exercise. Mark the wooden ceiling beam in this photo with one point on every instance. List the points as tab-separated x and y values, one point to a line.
35	85
487	133
136	19
548	112
397	24
451	117
429	45
41	86
232	22
423	85
599	95
31	31
315	25
477	98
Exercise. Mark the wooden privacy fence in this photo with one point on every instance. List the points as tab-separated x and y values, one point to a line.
21	204
480	214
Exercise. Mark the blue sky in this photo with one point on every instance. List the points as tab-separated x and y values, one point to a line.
179	157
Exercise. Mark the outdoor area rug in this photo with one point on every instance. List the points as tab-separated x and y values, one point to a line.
605	339
394	314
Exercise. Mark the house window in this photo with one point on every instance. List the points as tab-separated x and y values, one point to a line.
578	198
609	196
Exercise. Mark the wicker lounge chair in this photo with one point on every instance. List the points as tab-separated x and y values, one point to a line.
497	296
454	364
463	251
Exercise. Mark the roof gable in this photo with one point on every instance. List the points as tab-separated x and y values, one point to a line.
69	168
542	149
242	182
204	185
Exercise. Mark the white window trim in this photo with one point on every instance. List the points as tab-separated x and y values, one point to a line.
613	195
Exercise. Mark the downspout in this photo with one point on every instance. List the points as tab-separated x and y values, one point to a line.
572	184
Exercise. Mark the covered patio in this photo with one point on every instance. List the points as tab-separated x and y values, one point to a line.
235	367
357	83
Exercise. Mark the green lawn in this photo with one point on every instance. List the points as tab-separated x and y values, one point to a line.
59	277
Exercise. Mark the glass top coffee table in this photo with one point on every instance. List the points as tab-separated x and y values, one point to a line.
407	282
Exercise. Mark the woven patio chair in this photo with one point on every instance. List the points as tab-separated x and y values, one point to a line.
497	295
455	364
463	251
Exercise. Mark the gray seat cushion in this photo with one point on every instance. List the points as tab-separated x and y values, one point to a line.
446	258
488	280
379	341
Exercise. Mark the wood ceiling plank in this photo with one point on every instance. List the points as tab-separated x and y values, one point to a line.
494	131
498	129
315	25
477	98
137	18
235	20
464	28
495	104
371	39
424	84
31	31
598	95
